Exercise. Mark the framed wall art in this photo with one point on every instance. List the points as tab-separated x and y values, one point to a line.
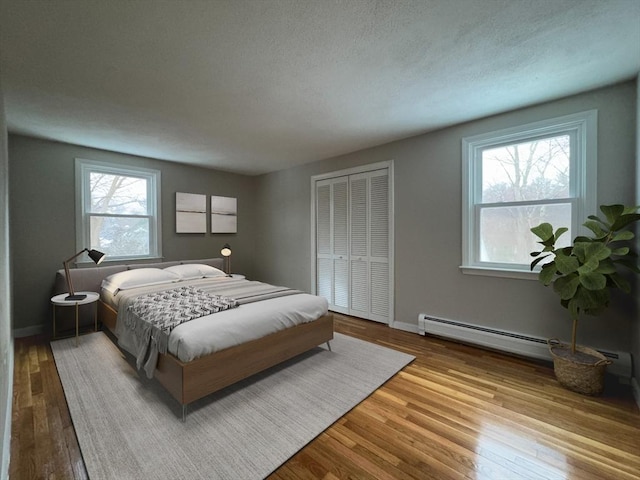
224	214
191	213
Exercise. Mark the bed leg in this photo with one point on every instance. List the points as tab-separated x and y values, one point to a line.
329	345
184	413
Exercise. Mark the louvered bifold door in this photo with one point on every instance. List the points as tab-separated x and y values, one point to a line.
379	242
332	242
353	244
340	245
359	245
324	261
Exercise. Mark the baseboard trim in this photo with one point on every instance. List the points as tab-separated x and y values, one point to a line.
406	327
28	331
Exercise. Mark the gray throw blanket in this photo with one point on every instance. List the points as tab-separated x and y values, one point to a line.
153	316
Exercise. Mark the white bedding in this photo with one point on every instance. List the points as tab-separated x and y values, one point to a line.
229	328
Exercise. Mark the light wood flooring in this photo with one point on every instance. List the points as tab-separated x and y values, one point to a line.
455	412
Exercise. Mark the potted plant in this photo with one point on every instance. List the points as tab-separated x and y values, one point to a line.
583	274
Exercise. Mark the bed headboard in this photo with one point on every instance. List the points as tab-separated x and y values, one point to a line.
90	279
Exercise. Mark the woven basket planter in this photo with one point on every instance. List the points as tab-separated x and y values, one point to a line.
582	376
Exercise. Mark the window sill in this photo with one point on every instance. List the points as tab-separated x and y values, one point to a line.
499	272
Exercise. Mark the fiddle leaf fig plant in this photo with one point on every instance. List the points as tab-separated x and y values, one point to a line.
583	273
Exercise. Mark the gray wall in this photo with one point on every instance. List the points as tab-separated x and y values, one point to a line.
42	206
428	224
6	338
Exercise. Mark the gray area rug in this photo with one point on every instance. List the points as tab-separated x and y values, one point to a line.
129	427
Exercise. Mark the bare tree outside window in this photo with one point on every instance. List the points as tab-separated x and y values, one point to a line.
119	215
514	178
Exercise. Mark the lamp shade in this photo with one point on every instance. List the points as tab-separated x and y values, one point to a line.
96	256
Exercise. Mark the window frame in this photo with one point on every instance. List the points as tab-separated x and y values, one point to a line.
582	127
83	169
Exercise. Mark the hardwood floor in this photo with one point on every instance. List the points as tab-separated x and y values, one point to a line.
455	412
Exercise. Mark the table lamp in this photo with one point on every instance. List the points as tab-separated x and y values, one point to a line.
94	255
226	252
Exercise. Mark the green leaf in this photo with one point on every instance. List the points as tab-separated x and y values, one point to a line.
620	251
596	229
593	281
566	287
612	212
624	220
597	219
547	273
566	264
544	231
587	250
624	235
589	266
537	260
592	301
606	267
585	240
559	232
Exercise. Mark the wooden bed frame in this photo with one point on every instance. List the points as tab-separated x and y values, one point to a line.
198	378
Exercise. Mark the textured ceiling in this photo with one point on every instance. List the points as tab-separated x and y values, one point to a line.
254	86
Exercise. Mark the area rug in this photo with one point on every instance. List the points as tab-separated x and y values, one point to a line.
129	427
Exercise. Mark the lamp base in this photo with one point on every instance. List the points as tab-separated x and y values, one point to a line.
75	297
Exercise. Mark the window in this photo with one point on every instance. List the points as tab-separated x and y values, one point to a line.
118	210
517	178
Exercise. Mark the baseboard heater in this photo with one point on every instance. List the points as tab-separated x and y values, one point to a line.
516	343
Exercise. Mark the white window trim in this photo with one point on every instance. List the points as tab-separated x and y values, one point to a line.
82	229
584	173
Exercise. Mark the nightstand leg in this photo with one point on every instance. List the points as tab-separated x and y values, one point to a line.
54	321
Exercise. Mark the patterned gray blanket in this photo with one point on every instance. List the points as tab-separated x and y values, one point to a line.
161	312
153	316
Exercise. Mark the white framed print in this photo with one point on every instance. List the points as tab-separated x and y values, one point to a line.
191	213
224	214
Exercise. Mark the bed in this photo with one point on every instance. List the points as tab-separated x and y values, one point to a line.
189	374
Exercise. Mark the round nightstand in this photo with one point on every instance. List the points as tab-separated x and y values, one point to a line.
60	301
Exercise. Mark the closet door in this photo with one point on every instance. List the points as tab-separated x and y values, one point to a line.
324	265
353	241
341	244
369	245
379	242
359	245
332	231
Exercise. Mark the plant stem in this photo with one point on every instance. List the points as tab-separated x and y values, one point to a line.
573	336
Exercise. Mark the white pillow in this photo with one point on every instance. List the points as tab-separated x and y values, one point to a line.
189	271
138	277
